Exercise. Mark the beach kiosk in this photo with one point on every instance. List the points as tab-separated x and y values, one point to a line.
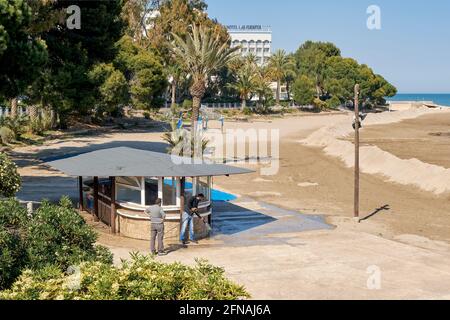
116	185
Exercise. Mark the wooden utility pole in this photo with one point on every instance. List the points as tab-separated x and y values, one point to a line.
113	205
80	194
357	126
96	211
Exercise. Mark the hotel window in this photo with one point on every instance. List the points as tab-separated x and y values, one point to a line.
244	50
259	50
266	50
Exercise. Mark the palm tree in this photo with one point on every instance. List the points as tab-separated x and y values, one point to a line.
279	66
176	73
245	82
202	53
262	85
179	144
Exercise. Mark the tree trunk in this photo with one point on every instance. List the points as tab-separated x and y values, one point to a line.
197	90
244	104
174	93
288	90
32	112
14	110
278	92
196	102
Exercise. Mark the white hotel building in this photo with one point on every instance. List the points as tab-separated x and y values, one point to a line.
255	39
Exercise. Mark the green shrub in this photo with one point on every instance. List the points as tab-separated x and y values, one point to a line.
319	104
141	279
58	235
6	135
18	125
187	104
55	235
147	115
13	256
334	102
247	111
10	181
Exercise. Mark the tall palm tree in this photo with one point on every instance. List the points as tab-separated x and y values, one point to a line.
279	66
245	81
202	53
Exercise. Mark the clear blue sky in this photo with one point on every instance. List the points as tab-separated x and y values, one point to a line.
412	50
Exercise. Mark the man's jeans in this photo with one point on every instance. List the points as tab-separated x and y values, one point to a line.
188	222
157	231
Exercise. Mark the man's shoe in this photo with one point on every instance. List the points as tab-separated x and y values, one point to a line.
185	242
162	254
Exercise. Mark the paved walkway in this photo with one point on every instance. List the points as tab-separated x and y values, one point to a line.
279	254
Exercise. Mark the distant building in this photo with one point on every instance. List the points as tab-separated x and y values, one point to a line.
255	39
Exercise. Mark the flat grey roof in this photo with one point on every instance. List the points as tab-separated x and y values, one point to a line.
128	162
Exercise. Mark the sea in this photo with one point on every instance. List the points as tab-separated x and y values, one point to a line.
442	99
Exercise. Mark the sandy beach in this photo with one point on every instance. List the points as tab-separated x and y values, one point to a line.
406	217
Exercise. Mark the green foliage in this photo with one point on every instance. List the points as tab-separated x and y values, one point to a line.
245	83
334	102
281	67
54	235
6	135
247	111
144	72
319	104
10	181
335	76
13	256
40	124
181	143
57	234
17	124
187	104
141	279
64	84
304	91
21	53
112	88
202	52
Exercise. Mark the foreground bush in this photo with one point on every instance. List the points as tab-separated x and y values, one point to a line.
10	181
58	235
141	279
55	235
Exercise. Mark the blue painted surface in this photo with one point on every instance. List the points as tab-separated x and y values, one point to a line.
215	194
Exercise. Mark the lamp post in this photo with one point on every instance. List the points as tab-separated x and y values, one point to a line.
357	126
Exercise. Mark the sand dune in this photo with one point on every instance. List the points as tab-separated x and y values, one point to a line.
374	160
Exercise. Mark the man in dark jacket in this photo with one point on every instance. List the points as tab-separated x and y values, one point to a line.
188	218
